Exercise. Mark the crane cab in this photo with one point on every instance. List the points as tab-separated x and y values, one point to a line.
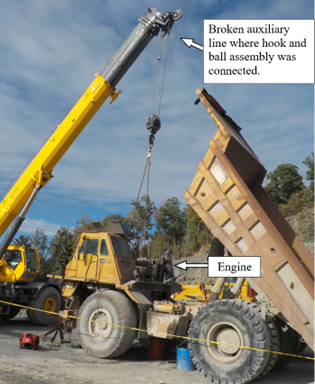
19	263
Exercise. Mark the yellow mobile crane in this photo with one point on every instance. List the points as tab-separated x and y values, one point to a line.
14	206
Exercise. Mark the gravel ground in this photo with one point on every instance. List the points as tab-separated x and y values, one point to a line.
69	364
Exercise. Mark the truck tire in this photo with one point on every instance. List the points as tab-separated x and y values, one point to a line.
232	322
274	345
49	300
106	340
13	311
300	344
303	345
287	343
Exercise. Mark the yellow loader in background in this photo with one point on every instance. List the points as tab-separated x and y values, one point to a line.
21	283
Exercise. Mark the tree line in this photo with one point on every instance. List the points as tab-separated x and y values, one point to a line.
286	188
154	228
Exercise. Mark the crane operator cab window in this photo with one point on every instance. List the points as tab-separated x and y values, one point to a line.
31	264
13	258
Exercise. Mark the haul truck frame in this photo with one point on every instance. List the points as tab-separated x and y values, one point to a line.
227	194
15	205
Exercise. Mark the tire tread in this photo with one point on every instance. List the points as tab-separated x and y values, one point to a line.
126	317
38	317
246	310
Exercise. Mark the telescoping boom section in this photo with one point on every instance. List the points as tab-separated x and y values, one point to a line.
39	172
227	194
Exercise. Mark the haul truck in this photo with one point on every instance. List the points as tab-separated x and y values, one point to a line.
117	298
227	194
14	287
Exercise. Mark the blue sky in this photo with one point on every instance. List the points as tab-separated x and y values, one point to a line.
50	51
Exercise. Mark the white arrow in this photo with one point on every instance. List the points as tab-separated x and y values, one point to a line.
191	43
222	266
184	265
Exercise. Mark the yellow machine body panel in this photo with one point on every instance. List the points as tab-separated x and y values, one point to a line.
201	293
193	292
19	264
39	172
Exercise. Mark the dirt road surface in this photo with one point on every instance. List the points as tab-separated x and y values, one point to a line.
69	364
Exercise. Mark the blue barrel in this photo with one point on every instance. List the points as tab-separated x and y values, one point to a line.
183	360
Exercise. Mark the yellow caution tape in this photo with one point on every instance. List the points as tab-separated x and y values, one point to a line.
162	334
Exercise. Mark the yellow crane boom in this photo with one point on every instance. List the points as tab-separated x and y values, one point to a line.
39	172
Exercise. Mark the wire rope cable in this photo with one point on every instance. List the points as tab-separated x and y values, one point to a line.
153	125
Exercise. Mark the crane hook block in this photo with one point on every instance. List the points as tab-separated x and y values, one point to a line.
151	140
153	124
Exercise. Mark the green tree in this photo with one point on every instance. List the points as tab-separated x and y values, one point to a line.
283	182
23	240
294	206
159	244
141	215
304	198
170	220
196	234
309	191
117	216
193	228
140	222
40	242
84	223
309	162
61	248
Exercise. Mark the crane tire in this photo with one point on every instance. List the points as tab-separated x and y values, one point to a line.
234	322
49	300
13	311
115	336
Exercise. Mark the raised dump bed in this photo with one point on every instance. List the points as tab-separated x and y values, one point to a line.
227	194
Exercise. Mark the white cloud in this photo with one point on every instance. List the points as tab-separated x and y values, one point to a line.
29	226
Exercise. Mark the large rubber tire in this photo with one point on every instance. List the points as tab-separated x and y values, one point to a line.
303	345
233	322
106	340
49	300
13	311
287	343
274	344
299	344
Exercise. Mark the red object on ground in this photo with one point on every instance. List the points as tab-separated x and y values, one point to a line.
29	340
156	349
